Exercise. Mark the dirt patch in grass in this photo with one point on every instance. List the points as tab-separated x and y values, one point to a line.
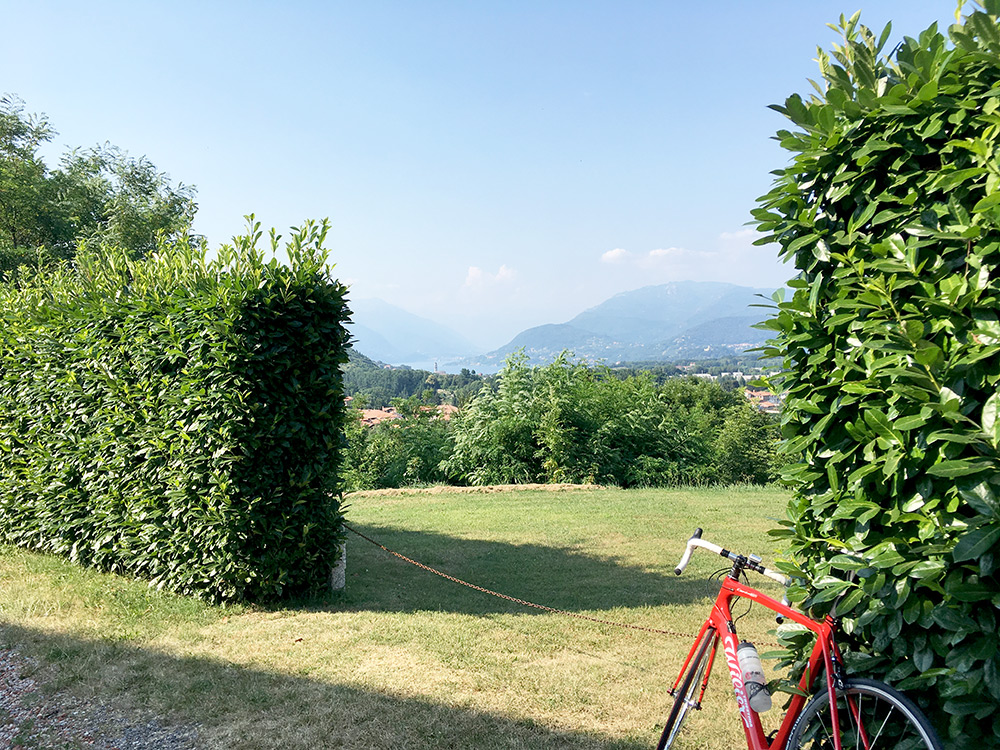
485	490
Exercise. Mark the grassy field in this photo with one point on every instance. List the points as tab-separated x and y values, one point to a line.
407	659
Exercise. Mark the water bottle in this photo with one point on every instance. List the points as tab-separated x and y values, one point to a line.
753	677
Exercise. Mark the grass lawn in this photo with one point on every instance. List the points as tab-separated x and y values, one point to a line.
404	658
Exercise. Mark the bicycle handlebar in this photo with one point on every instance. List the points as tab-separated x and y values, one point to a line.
694	541
752	561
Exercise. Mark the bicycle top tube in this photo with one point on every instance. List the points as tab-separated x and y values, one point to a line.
751	562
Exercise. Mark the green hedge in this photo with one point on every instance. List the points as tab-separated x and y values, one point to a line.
178	418
890	211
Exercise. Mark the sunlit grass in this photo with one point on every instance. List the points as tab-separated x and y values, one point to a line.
405	658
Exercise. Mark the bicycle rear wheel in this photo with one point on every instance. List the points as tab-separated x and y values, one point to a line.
686	696
871	716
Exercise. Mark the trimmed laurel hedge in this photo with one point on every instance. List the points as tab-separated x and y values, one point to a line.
176	418
890	211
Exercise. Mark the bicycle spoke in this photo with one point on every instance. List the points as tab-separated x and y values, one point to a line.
829	735
861	728
881	728
856	709
857	741
861	732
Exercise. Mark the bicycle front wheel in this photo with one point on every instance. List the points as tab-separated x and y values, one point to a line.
687	694
870	714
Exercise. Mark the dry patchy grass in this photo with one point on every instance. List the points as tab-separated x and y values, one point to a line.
404	658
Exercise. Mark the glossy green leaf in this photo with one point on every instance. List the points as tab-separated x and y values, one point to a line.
984	204
910	423
990	423
976	543
850	600
927	569
880	425
959	468
981	497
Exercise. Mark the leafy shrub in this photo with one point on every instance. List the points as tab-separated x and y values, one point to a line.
746	447
400	452
891	340
28	259
652	436
177	418
494	437
566	422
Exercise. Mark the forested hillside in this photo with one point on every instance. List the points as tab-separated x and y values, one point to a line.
377	384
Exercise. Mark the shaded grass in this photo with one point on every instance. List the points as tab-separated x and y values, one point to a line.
404	658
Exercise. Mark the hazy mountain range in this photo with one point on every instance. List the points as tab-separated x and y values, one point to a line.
679	320
390	334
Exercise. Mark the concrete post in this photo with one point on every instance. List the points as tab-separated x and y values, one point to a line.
338	575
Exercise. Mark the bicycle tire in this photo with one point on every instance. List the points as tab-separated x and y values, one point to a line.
889	718
687	694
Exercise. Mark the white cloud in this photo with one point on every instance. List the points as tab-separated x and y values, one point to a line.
618	255
740	236
664	252
664	256
477	277
732	257
653	259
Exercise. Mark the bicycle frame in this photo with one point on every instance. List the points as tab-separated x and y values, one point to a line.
825	654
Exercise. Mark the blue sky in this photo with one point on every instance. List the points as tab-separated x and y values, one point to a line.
490	165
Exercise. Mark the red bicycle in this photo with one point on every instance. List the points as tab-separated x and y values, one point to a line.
842	712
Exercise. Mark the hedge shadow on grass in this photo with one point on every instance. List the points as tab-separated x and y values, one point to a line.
240	708
562	578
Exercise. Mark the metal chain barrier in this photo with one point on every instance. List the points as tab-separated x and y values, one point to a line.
515	600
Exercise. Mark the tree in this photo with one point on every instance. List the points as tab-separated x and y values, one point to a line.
379	384
101	195
124	201
746	446
565	422
494	440
890	211
397	452
30	214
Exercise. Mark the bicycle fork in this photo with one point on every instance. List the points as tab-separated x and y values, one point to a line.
707	632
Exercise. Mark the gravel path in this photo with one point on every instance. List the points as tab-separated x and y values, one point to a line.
32	719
